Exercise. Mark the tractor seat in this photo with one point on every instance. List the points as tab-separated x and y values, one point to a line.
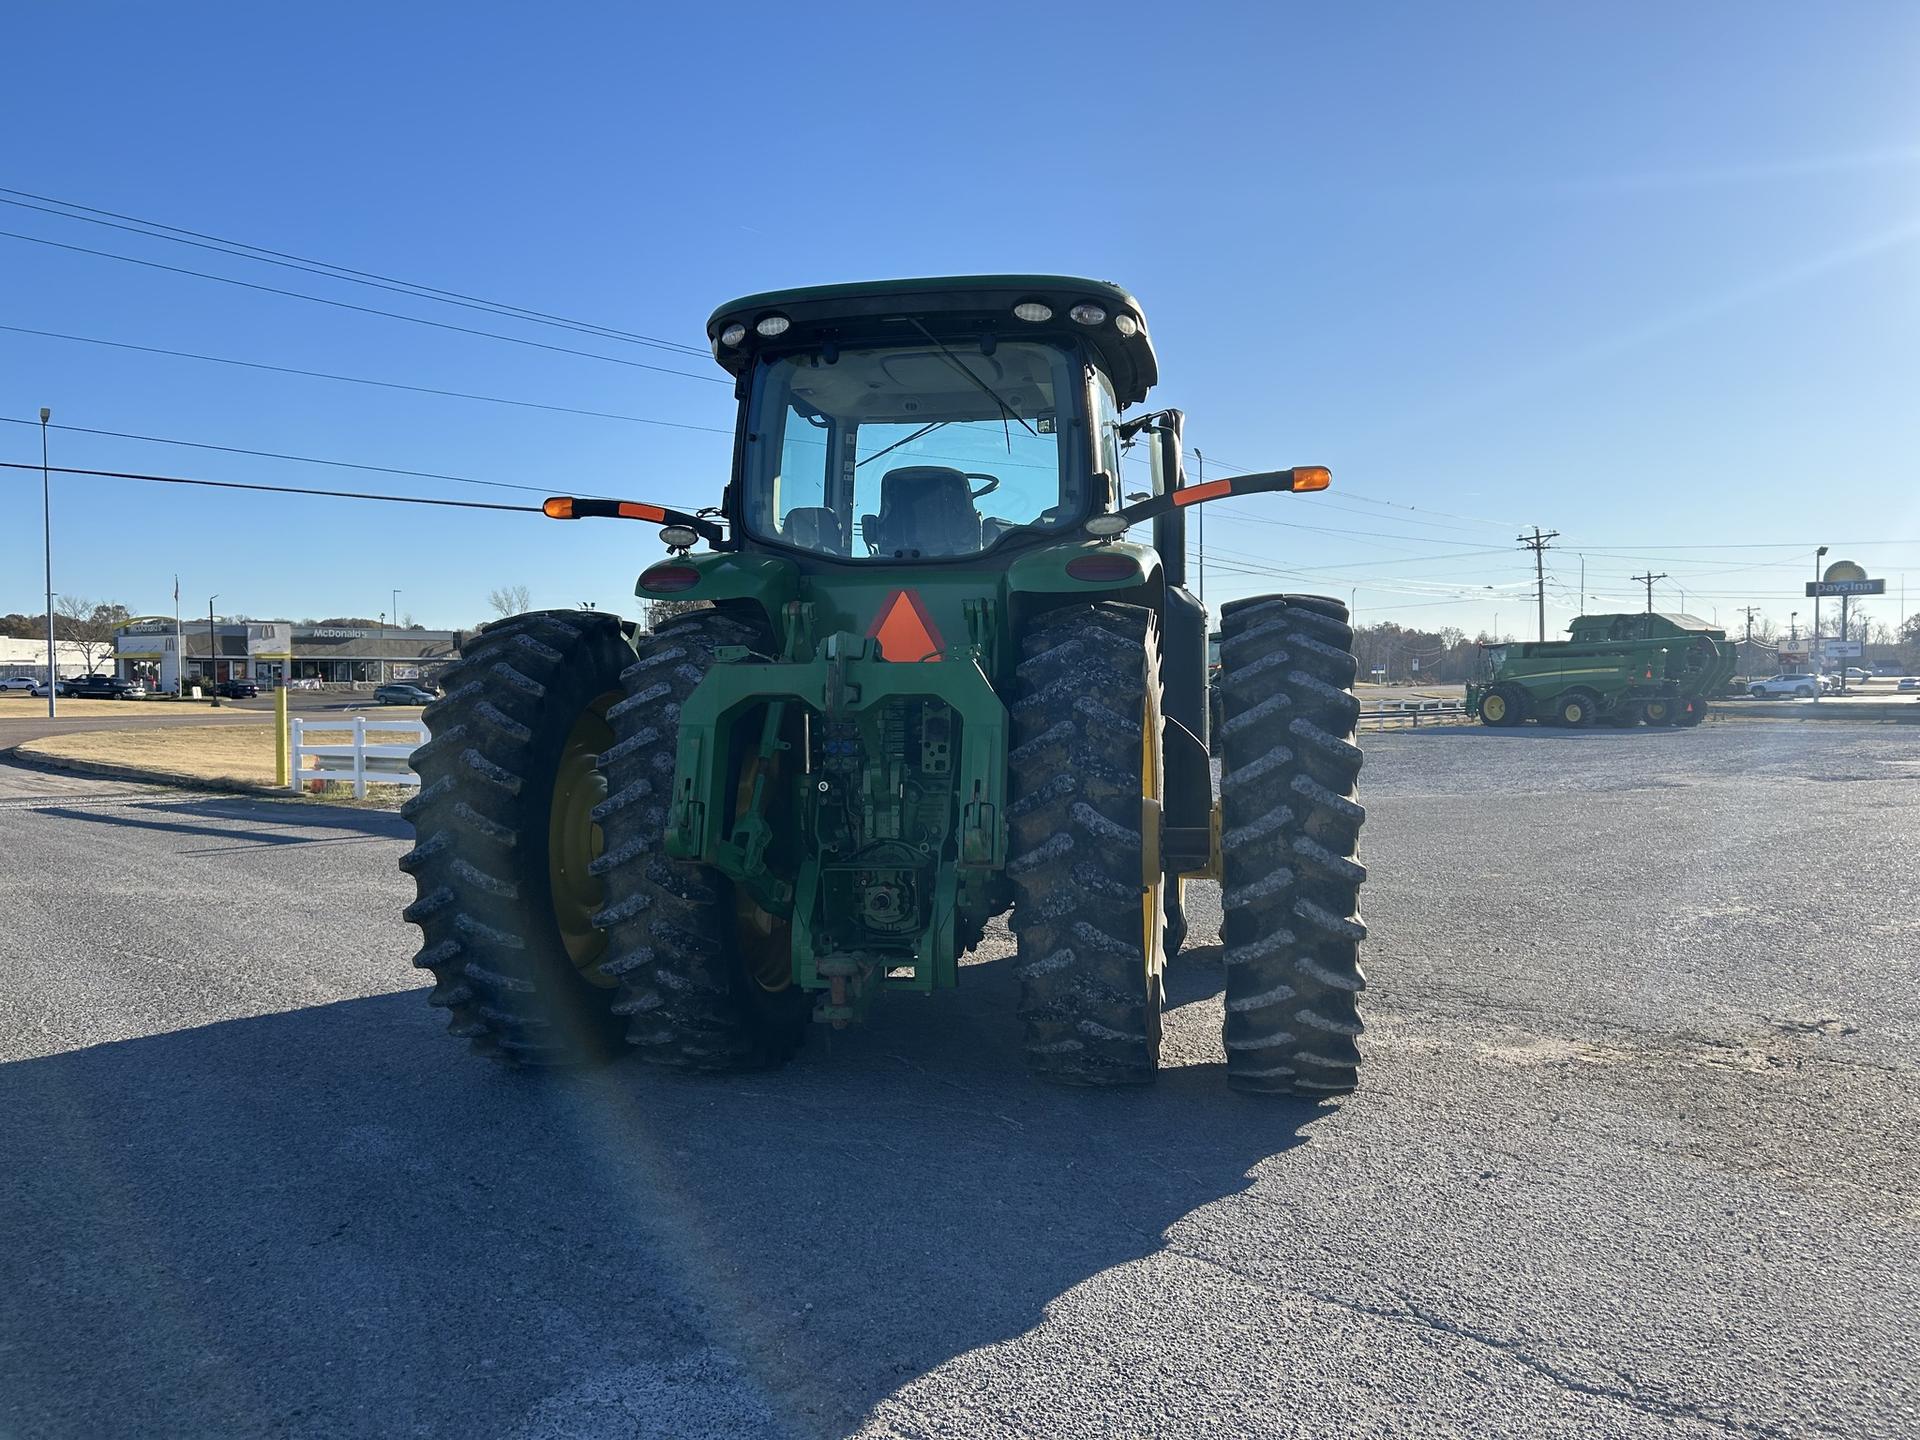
924	508
814	527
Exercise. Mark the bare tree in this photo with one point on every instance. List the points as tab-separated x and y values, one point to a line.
510	600
661	611
89	627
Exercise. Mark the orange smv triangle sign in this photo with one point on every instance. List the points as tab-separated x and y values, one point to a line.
905	630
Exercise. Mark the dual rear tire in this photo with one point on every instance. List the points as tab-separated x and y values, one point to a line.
556	928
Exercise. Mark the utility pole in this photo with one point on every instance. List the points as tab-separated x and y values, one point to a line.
179	647
1537	543
46	510
1750	611
1648	580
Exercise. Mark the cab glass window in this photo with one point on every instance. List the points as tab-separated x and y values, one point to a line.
916	451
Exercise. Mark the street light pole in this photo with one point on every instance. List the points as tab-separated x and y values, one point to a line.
1200	478
46	510
213	652
386	666
1818	667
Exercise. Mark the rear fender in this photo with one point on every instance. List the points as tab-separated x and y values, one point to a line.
1039	580
766	582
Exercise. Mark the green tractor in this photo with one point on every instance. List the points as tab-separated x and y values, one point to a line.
926	680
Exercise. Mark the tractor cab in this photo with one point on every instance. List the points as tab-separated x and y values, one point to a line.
936	420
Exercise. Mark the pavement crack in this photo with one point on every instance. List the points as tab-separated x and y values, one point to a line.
1409	1313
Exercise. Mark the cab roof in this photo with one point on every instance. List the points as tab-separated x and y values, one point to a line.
952	307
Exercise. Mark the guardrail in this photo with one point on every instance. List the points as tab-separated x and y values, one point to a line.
361	763
1412	712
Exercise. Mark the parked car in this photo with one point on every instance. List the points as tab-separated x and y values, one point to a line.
18	682
104	687
403	692
237	689
1908	682
1800	687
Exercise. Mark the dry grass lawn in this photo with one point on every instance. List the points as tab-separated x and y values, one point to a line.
19	704
196	752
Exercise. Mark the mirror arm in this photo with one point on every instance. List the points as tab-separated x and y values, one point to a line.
1299	479
575	507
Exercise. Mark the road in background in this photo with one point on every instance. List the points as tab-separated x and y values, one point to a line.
1634	1155
19	724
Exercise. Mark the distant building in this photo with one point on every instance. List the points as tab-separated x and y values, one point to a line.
257	650
29	657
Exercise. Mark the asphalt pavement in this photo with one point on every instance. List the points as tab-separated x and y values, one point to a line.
1634	1155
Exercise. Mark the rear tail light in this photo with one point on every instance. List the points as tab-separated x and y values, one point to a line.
670	579
1107	566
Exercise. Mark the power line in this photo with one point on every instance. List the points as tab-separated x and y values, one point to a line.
281	455
1369	500
1374	535
279	489
364	309
363	380
240	249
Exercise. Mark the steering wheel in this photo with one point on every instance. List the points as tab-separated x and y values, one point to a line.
993	483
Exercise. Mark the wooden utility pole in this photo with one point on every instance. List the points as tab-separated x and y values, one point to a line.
1649	578
1537	542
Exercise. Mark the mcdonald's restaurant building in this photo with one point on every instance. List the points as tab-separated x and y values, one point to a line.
270	651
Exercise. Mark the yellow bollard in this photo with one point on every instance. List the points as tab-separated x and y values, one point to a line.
281	774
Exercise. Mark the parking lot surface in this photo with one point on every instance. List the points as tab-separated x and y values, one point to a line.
1634	1153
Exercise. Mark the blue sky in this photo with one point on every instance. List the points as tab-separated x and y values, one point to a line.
1647	275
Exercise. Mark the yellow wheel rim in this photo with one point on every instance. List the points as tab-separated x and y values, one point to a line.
765	939
574	841
1494	707
1153	876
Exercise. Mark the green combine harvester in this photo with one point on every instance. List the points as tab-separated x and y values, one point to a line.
1614	670
928	680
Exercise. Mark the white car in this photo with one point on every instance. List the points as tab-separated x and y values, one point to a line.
1800	687
16	682
1909	682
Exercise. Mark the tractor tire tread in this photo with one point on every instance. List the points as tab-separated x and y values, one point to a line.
1090	1012
480	885
1289	892
669	923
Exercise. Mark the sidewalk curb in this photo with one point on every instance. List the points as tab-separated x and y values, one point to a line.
106	771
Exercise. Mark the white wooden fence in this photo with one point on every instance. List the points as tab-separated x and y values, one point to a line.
359	762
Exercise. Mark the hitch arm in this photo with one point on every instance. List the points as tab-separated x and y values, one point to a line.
575	507
1299	478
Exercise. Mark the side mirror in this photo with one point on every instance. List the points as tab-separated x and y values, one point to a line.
1168	429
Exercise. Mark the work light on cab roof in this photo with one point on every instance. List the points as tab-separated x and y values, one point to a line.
920	675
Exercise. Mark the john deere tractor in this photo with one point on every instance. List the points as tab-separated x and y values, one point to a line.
929	679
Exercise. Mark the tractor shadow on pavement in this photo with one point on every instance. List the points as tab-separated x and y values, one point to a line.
333	1221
